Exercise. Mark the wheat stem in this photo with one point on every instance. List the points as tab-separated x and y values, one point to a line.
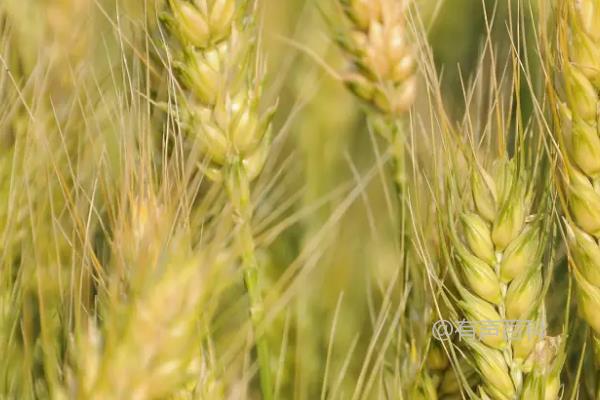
243	211
400	179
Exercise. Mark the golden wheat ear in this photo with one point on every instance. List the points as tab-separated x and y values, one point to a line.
376	41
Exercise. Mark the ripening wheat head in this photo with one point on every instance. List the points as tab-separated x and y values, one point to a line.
217	63
378	45
498	240
580	52
149	344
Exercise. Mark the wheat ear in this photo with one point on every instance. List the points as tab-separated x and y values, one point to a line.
219	66
581	152
377	44
498	248
150	343
384	69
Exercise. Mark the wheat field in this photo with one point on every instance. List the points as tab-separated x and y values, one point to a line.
300	199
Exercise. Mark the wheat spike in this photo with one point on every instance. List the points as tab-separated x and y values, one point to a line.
219	66
580	53
150	341
217	63
383	73
378	46
498	244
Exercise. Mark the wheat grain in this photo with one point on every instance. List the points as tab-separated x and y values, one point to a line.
218	64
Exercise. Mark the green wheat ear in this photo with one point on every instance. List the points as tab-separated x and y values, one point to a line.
580	139
498	244
217	61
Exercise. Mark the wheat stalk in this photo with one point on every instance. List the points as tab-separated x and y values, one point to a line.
497	268
218	64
